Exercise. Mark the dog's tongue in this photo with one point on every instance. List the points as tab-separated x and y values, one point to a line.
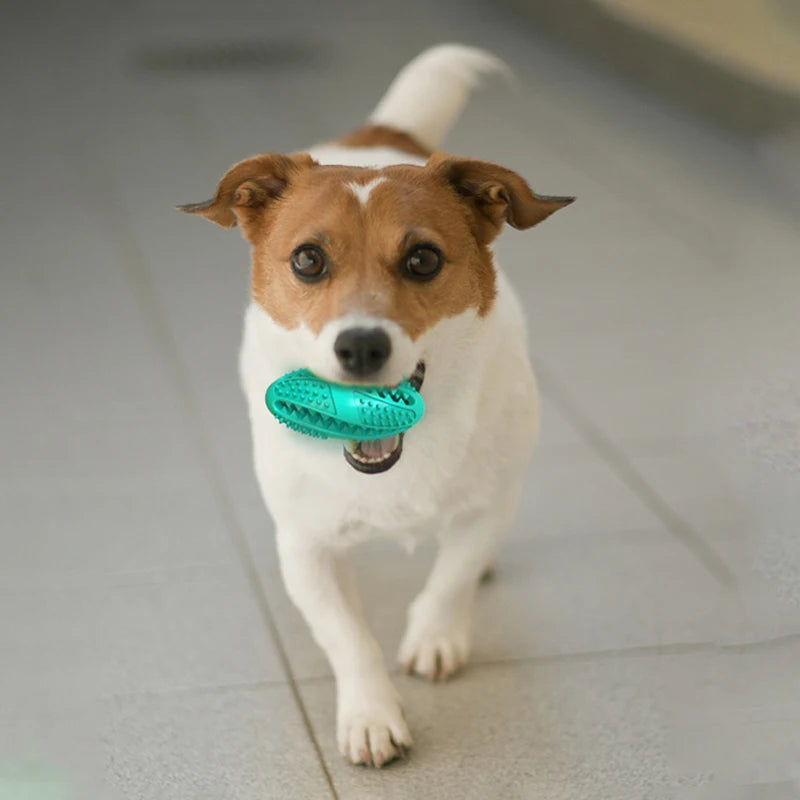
379	448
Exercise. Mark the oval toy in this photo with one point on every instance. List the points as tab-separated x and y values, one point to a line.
319	408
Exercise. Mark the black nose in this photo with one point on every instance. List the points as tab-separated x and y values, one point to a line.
362	351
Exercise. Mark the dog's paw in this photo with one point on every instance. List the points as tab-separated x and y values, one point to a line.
371	729
435	645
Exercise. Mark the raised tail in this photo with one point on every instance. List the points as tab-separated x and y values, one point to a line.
428	94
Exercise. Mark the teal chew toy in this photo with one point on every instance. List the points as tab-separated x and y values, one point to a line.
316	407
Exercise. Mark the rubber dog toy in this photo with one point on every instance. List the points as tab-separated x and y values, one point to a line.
316	407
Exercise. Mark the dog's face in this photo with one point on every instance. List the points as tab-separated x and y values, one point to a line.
363	262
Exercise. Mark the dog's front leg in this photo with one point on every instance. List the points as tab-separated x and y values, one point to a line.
436	642
370	725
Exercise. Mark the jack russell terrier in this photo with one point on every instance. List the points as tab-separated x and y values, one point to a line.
371	263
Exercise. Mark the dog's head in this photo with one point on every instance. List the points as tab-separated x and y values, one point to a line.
369	260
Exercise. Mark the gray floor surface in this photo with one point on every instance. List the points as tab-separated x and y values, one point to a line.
641	638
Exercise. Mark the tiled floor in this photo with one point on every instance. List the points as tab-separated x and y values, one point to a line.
641	638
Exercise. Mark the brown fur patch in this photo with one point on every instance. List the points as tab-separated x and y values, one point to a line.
365	246
457	205
384	136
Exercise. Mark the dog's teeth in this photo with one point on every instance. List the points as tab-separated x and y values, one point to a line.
386	449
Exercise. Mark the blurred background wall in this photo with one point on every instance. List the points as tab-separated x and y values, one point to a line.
736	61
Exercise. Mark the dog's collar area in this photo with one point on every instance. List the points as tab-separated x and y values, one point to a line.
367	457
418	375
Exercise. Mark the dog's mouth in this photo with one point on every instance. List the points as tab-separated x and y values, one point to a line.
376	455
379	455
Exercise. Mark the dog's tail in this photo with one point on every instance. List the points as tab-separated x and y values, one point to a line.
429	93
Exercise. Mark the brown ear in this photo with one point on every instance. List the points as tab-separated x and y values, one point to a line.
247	187
495	193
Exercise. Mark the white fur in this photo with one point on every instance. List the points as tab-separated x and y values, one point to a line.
374	157
363	190
458	478
428	94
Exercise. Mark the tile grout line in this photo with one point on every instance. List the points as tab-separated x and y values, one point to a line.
201	689
620	464
137	273
673	649
642	651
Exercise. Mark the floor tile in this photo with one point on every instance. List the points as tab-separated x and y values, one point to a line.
229	742
721	790
669	350
596	592
53	752
141	632
81	532
576	491
232	743
557	731
638	727
556	431
734	712
747	511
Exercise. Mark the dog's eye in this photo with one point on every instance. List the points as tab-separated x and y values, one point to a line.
423	262
308	263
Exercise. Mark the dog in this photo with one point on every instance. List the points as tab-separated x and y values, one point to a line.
372	263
